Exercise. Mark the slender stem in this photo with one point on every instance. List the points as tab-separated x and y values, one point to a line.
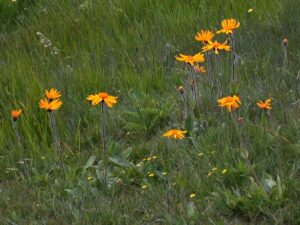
103	139
211	84
185	110
234	77
56	140
22	150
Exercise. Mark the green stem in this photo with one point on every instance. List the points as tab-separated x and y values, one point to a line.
22	150
103	139
56	140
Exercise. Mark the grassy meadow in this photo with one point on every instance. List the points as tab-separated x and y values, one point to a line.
240	167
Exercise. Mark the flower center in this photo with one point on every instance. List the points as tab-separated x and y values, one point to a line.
103	95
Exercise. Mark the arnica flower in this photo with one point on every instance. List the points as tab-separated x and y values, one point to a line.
191	59
230	102
265	105
15	114
50	105
109	100
204	36
176	134
200	69
215	46
52	94
228	26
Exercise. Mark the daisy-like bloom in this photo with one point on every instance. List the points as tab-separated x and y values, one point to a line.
52	94
228	26
265	105
191	59
250	10
230	102
215	46
176	134
200	69
204	36
15	114
109	100
50	105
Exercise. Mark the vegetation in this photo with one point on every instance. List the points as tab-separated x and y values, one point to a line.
71	165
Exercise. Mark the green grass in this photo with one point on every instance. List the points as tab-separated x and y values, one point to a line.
127	48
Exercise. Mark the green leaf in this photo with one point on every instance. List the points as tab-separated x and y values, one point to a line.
90	162
120	162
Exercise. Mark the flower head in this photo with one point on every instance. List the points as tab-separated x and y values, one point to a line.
109	100
180	89
228	26
176	134
230	102
250	10
52	94
265	105
285	42
204	36
15	114
191	59
215	46
50	105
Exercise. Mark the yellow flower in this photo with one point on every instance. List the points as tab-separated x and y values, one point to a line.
193	195
49	106
209	174
144	186
250	10
154	157
191	59
90	178
265	105
200	154
215	46
228	26
151	175
224	171
214	169
199	69
52	94
164	173
176	134
15	114
230	102
204	36
109	100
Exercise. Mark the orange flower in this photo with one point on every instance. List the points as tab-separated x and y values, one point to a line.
15	114
52	94
228	26
50	105
265	105
215	46
200	69
204	36
176	134
230	102
102	97
191	59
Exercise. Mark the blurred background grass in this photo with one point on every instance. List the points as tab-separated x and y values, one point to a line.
127	48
